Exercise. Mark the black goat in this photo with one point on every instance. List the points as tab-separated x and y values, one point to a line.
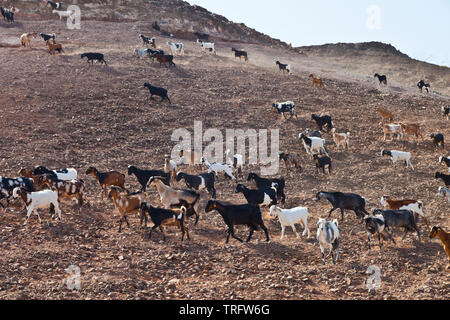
399	218
322	162
422	84
446	111
438	139
240	54
376	224
143	176
91	56
155	26
164	217
7	186
233	215
444	177
47	37
161	92
263	197
262	183
283	67
382	79
344	201
200	182
202	36
321	121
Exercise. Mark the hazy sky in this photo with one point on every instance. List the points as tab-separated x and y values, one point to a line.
421	29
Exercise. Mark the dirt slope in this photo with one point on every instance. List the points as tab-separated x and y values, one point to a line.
60	112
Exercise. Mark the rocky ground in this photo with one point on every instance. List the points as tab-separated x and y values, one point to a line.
60	112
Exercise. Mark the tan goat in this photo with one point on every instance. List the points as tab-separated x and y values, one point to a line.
386	116
412	129
341	139
126	204
392	129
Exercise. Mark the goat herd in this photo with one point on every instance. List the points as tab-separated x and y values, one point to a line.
41	187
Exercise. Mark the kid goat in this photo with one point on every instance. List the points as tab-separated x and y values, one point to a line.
289	217
328	235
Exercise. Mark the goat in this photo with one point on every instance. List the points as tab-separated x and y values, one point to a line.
283	67
201	36
176	48
328	235
125	204
37	200
152	53
148	40
398	156
445	192
62	174
7	186
313	144
112	178
285	107
415	206
144	176
422	84
386	116
233	215
316	134
445	239
7	14
322	162
156	91
392	129
164	217
191	157
446	161
25	39
63	13
382	79
208	46
156	26
375	224
344	201
399	218
262	183
170	167
240	54
444	177
70	189
218	168
52	47
446	111
289	217
91	56
163	58
54	5
170	197
236	161
316	81
263	197
47	37
341	139
438	139
141	53
291	159
322	121
412	129
200	182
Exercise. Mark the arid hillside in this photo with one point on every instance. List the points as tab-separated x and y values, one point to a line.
61	112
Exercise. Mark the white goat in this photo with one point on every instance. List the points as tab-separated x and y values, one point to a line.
217	168
207	46
289	217
392	129
313	144
398	156
445	192
176	48
141	53
63	13
236	161
328	235
38	200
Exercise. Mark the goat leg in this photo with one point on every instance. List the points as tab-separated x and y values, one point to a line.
331	211
250	234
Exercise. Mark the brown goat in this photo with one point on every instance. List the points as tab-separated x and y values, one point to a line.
291	159
412	129
445	239
162	58
28	173
125	204
315	80
52	47
386	116
105	179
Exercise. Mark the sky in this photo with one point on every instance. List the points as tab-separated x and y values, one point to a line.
420	29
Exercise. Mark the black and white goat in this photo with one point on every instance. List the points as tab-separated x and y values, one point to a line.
422	84
313	145
376	225
204	181
47	37
398	156
446	161
322	121
438	139
285	107
443	177
156	91
54	5
263	197
344	201
62	174
148	40
262	183
322	162
310	133
446	111
7	186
